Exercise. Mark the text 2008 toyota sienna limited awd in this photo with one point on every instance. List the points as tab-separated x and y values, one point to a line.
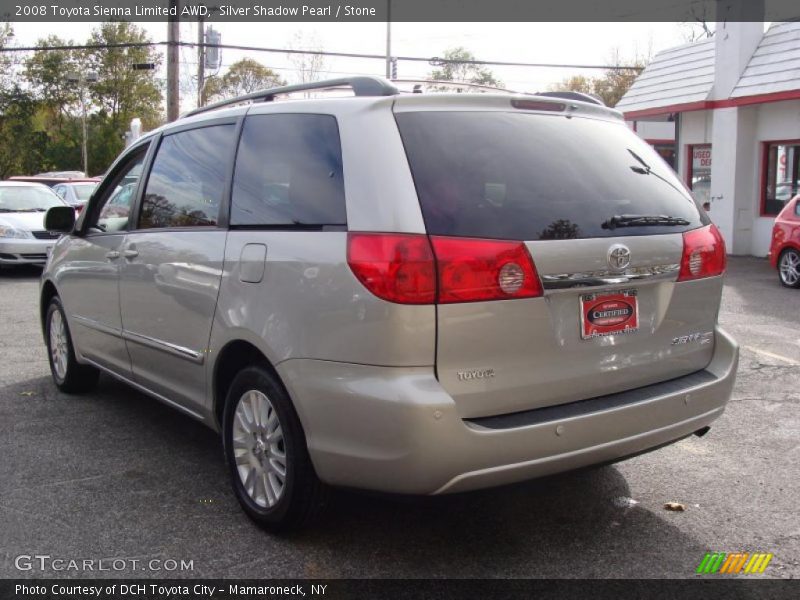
416	294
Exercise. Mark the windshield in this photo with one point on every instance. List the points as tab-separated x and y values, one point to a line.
84	190
523	176
27	198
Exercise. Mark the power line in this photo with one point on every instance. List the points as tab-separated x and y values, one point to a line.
431	60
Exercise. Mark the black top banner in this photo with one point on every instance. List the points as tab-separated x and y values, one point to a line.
401	10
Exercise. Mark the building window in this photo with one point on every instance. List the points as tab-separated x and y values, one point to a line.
699	174
665	149
780	175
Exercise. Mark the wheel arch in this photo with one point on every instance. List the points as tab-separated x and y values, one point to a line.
47	293
234	356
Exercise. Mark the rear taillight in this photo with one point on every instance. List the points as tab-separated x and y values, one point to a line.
403	268
396	267
703	254
472	270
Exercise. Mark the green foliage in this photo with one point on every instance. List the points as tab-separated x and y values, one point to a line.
120	91
21	145
41	108
453	68
609	87
243	77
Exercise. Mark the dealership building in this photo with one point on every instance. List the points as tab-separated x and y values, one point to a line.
725	113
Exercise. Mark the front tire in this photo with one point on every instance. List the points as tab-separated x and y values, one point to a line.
789	268
266	452
69	375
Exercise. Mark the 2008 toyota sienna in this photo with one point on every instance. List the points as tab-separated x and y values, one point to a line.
416	294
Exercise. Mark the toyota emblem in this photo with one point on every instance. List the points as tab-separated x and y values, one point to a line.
619	257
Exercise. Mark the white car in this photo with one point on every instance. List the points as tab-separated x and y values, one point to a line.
23	237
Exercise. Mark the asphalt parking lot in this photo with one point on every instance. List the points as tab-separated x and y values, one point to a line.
115	474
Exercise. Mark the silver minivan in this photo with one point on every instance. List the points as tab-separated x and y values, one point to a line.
407	293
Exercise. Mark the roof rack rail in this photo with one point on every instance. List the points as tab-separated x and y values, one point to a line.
579	96
361	86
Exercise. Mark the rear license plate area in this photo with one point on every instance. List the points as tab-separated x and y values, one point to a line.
609	314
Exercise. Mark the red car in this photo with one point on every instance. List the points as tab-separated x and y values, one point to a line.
784	252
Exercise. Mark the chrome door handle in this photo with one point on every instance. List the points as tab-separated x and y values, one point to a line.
112	255
130	253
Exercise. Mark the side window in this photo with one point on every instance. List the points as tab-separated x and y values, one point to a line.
114	208
187	181
289	172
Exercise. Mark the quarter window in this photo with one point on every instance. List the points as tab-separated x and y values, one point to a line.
187	181
289	172
114	209
782	175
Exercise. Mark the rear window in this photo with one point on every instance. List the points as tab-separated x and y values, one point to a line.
537	177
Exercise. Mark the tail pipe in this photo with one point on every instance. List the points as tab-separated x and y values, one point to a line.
702	431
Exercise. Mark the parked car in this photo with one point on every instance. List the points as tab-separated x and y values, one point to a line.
23	237
76	192
405	293
45	179
784	251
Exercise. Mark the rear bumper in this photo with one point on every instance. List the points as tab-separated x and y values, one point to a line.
396	430
24	251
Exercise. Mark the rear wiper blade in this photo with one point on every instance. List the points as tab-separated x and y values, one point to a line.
642	221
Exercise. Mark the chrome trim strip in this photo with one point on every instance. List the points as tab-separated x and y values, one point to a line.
564	281
145	390
97	326
169	348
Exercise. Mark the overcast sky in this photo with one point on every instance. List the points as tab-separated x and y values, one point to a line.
584	43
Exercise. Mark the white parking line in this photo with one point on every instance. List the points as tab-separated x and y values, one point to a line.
790	361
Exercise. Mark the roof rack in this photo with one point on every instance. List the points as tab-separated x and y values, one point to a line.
579	96
361	86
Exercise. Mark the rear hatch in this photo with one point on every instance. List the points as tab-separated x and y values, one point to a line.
616	297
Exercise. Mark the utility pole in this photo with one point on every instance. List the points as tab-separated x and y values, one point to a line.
82	79
173	73
201	59
388	39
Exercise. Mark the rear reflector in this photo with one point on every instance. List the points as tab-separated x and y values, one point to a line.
703	254
411	269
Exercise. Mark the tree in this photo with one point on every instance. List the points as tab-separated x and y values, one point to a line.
309	67
17	125
120	91
6	58
243	77
609	87
455	66
48	71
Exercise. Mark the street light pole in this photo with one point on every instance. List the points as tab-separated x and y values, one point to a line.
201	53
388	39
173	39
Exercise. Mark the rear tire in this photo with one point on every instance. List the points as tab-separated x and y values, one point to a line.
789	268
69	375
266	452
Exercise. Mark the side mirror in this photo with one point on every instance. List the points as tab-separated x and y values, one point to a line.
60	218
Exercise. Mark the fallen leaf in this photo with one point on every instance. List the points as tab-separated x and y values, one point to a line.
675	506
27	393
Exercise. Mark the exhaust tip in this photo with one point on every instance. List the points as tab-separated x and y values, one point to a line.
701	432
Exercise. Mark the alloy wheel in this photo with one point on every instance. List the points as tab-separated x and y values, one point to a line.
790	268
259	449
